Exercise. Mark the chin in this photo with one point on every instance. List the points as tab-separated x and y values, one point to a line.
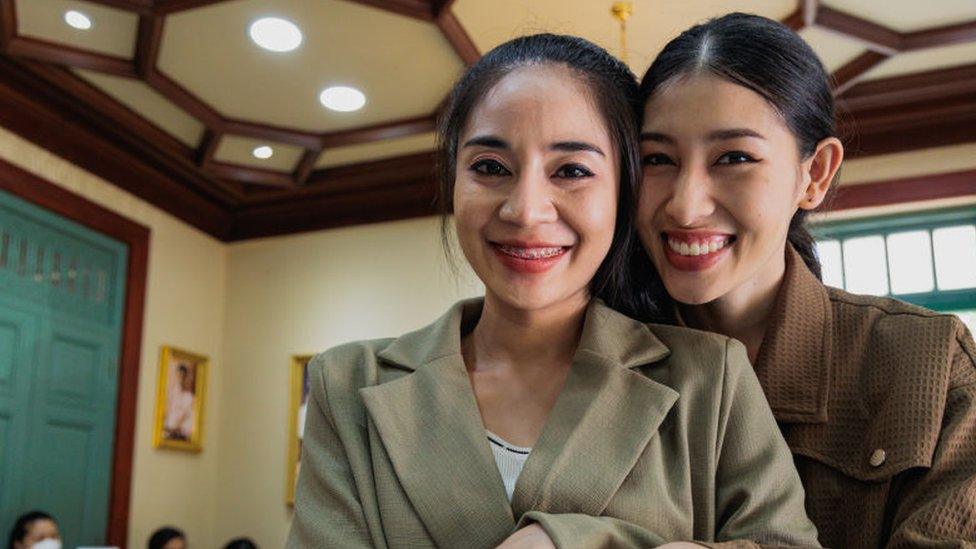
689	293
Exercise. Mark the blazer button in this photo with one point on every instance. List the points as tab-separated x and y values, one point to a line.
878	457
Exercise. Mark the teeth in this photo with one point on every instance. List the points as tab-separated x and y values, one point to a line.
698	247
531	253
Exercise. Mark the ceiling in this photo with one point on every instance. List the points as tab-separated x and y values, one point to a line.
169	98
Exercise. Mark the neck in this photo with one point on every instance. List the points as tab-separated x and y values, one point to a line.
742	313
526	339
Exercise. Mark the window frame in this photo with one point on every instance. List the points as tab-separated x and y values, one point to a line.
884	225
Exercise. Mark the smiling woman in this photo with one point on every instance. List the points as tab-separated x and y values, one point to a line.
537	416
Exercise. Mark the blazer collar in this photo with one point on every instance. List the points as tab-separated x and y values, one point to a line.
617	338
430	426
794	360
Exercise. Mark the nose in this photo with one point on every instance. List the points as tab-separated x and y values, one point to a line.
691	199
529	201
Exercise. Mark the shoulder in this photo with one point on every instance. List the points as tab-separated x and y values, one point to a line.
914	340
347	367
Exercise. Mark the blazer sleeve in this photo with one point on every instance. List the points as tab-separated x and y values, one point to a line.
759	496
328	512
758	500
936	508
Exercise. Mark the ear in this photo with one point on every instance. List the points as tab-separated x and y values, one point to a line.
818	172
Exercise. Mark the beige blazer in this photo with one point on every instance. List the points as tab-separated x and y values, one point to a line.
661	433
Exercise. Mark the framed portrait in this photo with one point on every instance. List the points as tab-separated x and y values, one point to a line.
296	422
180	393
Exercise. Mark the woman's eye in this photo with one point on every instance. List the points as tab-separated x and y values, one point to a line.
490	167
657	159
735	157
573	171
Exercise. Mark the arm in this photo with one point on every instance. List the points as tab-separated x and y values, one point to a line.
328	512
759	496
758	492
937	508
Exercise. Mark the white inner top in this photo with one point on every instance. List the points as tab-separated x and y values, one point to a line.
509	458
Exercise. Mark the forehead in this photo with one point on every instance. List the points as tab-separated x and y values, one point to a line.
701	103
547	101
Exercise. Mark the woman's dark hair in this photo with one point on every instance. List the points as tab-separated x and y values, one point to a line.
19	531
241	543
163	536
613	90
770	59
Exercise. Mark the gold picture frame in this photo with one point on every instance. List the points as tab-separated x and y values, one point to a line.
299	398
181	391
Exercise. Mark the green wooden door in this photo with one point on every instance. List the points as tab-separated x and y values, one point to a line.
61	297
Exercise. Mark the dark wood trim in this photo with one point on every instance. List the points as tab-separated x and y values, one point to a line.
368	175
163	7
920	126
309	140
183	98
940	36
898	90
149	37
36	49
67	204
8	22
439	7
305	166
142	7
378	132
247	174
458	37
40	111
417	9
794	20
876	37
207	148
848	75
899	191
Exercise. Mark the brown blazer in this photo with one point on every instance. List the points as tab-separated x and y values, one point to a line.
877	400
660	433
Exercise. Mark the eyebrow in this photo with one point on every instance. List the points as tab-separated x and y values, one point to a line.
717	135
494	142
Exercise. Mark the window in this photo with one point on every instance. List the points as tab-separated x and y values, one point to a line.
928	259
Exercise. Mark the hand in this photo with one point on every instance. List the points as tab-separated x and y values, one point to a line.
532	536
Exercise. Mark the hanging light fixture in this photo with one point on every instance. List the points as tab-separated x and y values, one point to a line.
621	12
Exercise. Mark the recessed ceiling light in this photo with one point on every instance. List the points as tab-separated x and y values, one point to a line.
77	20
342	98
275	34
263	152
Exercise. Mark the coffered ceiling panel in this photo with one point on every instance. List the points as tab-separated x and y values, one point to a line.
240	150
908	15
112	31
139	97
651	26
404	66
833	49
925	60
377	151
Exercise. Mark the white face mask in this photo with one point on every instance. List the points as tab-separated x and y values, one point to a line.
48	543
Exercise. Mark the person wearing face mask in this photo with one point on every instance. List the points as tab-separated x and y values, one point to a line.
876	398
537	416
35	530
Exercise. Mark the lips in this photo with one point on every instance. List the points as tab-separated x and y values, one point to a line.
529	258
696	251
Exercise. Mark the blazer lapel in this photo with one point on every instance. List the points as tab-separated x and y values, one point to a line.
431	429
601	422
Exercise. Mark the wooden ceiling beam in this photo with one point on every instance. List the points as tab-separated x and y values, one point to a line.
910	189
387	130
941	36
809	9
876	37
417	9
183	98
163	7
248	174
794	20
148	39
8	22
207	148
902	90
458	37
142	7
305	166
35	49
848	75
309	140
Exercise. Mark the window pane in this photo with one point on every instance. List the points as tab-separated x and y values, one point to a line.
955	257
829	253
865	269
910	262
